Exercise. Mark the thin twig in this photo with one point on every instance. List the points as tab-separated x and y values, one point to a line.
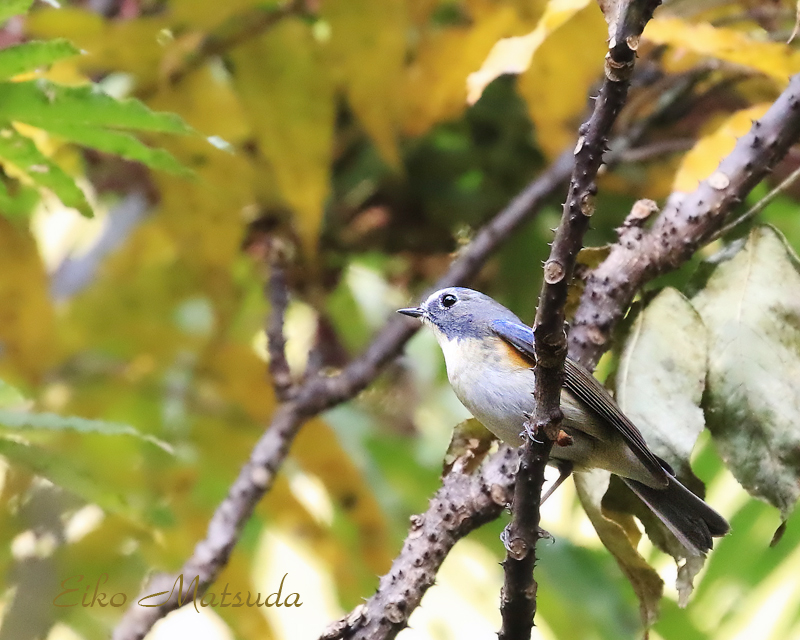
315	395
518	601
757	208
656	150
234	31
277	291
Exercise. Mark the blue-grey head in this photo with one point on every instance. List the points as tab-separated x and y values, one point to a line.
456	313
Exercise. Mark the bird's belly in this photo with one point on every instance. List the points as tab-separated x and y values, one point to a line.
500	398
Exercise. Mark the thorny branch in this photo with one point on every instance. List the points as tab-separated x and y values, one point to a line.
463	503
685	224
315	395
518	598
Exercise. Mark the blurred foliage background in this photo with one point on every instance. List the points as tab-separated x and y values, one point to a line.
340	129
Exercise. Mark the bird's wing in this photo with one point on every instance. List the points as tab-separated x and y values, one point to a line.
583	385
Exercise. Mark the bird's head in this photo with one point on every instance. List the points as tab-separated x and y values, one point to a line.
456	313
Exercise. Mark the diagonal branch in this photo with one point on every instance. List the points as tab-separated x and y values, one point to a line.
234	31
518	599
314	396
463	503
685	224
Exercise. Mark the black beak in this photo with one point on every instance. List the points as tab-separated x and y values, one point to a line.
414	312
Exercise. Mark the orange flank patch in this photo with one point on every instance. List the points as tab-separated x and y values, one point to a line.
517	357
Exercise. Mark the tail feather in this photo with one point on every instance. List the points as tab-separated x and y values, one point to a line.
690	519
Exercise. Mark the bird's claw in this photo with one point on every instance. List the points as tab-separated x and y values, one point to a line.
529	432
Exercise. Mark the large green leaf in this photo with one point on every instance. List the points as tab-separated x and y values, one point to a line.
750	307
30	55
122	144
25	156
21	203
43	104
10	8
23	420
661	377
63	471
620	535
659	383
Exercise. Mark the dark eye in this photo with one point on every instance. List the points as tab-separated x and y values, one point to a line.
448	300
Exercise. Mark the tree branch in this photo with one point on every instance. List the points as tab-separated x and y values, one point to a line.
518	600
314	396
463	503
686	222
234	31
277	292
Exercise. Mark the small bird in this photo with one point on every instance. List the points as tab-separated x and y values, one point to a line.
489	356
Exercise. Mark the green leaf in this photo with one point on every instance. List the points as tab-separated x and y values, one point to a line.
64	472
121	144
620	535
21	420
661	377
20	204
22	152
31	55
10	8
659	383
10	396
46	105
6	201
750	307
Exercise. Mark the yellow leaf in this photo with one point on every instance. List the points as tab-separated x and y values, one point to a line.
286	91
240	377
620	535
699	163
368	45
318	451
513	55
27	319
435	88
419	11
204	216
199	99
135	291
205	14
556	86
129	45
774	59
246	621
